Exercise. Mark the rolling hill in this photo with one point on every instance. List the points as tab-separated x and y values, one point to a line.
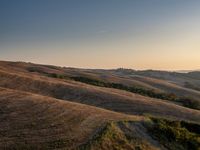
45	107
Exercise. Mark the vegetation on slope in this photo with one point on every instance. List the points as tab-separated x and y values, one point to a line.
30	121
187	102
158	134
62	126
113	136
176	134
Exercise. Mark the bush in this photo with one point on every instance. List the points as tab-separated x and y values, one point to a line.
175	134
191	103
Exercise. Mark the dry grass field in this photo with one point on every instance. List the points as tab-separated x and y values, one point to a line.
42	107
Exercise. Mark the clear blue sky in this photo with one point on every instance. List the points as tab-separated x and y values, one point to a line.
140	34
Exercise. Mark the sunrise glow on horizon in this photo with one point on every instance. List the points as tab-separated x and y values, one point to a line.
137	34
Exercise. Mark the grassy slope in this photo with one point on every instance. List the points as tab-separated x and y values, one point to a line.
34	121
187	102
129	79
132	135
30	121
119	136
111	99
179	78
169	87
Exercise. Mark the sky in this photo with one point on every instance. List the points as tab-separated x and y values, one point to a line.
137	34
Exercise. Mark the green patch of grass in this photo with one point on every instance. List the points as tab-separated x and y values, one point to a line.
107	137
112	137
36	69
176	134
54	75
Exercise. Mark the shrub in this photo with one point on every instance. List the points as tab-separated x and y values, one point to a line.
176	134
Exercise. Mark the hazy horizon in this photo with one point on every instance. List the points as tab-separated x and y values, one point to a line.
141	34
